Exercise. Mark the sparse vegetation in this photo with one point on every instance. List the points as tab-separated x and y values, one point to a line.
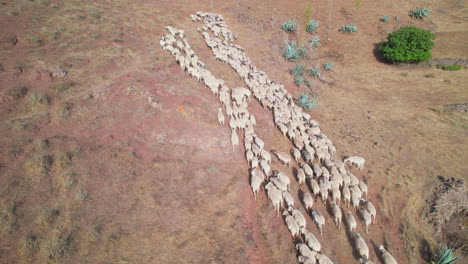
58	245
443	256
290	26
419	13
9	218
408	44
63	86
315	41
312	26
292	51
45	2
314	72
328	66
453	67
82	195
18	92
384	19
307	102
298	70
12	13
298	80
349	28
64	111
38	98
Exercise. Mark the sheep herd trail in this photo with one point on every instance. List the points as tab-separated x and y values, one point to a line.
324	176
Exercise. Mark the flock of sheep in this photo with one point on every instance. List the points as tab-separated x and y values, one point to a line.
327	177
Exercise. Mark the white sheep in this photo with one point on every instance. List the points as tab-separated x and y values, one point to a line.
300	219
318	219
352	224
304	250
249	155
306	260
265	156
301	177
308	201
356	161
361	246
291	224
288	200
317	170
282	157
370	207
275	196
336	210
323	259
346	193
311	240
366	218
265	167
279	184
364	261
256	180
283	178
308	171
314	186
386	256
296	154
234	138
363	187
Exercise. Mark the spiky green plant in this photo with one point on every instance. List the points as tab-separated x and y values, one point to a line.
299	80
348	28
298	70
312	26
419	13
314	72
307	102
315	41
444	256
290	26
384	19
328	66
292	51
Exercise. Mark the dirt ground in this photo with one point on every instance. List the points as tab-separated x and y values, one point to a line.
123	161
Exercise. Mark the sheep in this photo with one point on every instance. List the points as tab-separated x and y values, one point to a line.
318	219
314	186
259	142
361	246
308	201
363	187
265	156
282	177
352	224
317	170
300	219
308	171
363	261
291	224
296	154
282	157
354	180
370	207
288	200
366	218
325	186
256	180
275	196
356	161
265	167
354	199
336	214
346	193
254	163
300	175
386	256
323	259
279	184
304	250
311	240
306	155
306	260
234	139
256	150
249	155
325	172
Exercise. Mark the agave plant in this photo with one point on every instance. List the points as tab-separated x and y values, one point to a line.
419	13
384	19
444	256
315	41
328	66
298	70
311	26
348	28
292	51
290	26
299	80
314	72
307	102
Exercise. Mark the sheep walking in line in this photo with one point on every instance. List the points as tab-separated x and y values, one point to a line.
356	161
305	251
311	240
301	177
386	256
283	158
369	207
275	196
256	180
352	224
306	260
323	259
337	215
291	224
308	201
220	116
299	217
361	246
296	154
288	200
366	218
318	219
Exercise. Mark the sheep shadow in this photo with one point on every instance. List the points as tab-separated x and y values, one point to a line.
350	238
377	251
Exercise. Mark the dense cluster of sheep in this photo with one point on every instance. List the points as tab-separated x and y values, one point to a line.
325	177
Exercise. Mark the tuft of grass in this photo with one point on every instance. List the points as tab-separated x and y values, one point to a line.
453	67
419	13
62	86
18	92
293	52
58	245
298	80
35	40
290	26
384	19
12	13
82	195
64	111
30	243
328	66
307	102
312	26
9	218
298	70
315	41
38	98
349	28
44	143
49	215
314	72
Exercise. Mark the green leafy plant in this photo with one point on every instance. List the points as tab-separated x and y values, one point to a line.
419	13
290	26
314	72
453	67
311	26
298	70
348	28
408	44
298	80
315	41
307	102
328	66
292	51
444	256
384	19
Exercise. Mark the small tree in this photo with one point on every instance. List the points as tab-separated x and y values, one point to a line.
408	44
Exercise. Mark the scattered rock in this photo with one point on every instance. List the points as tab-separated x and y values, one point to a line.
461	108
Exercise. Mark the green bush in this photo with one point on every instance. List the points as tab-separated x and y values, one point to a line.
298	70
444	256
384	19
328	66
299	80
307	102
453	67
419	13
314	72
408	44
292	51
315	41
311	26
290	26
348	28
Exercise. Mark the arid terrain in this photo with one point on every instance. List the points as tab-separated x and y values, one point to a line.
112	154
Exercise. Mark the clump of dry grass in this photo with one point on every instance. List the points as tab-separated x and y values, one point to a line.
63	86
58	245
18	92
9	218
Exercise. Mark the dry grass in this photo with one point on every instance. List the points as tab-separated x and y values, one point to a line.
9	218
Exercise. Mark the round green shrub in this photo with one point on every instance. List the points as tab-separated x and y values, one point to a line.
408	44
